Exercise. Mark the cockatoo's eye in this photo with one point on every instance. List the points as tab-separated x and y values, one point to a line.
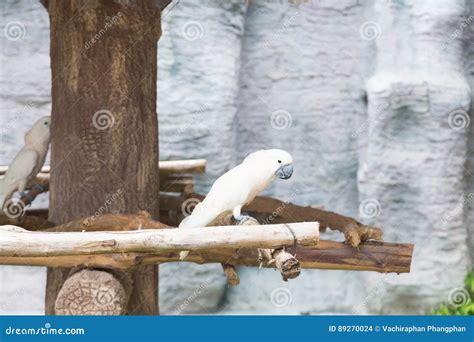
279	161
46	123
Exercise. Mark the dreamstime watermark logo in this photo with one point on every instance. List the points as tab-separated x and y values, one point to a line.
458	32
369	208
189	205
103	209
459	119
14	208
373	293
195	118
458	209
370	30
458	297
192	30
269	219
286	23
103	119
46	330
14	30
281	119
109	22
18	115
280	297
378	112
191	298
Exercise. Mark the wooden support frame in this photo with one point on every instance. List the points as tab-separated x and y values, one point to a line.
17	241
328	255
369	256
166	167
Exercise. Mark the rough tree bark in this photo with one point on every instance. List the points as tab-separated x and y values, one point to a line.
104	153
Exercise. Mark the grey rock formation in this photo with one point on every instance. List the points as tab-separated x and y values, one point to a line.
372	98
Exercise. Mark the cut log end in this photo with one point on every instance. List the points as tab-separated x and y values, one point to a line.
287	264
91	292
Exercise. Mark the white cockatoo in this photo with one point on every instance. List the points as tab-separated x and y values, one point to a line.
29	161
239	186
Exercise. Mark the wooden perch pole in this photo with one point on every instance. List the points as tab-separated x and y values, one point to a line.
371	256
271	210
166	167
17	241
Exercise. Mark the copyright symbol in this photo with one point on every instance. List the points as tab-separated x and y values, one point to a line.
377	328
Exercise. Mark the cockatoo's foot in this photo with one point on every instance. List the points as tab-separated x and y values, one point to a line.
26	194
241	219
183	255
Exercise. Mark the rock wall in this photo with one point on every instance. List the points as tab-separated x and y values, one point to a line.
373	99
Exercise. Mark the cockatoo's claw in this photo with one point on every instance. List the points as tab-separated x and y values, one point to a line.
243	218
183	255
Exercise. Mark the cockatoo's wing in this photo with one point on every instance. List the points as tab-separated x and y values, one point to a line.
202	215
20	170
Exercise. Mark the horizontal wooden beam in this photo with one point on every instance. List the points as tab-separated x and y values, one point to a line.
183	166
166	166
369	256
17	241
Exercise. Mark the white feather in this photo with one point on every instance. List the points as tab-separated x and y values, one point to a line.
237	187
29	160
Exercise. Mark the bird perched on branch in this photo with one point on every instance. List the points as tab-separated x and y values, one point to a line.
29	160
239	186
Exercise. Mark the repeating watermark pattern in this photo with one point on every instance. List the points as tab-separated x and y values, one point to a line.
109	23
458	296
192	30
463	25
459	119
14	30
196	117
381	109
188	206
278	33
459	208
104	208
281	119
280	297
191	298
103	119
370	30
269	219
14	208
18	115
369	208
374	292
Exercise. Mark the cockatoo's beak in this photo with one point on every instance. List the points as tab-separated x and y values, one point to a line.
285	171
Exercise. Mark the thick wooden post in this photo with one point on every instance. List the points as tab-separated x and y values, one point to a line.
104	122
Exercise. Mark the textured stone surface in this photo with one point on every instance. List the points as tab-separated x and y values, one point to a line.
360	92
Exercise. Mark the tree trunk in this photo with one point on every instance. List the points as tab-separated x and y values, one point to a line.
104	154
